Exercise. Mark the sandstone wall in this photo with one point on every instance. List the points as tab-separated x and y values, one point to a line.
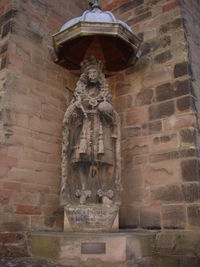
32	103
157	101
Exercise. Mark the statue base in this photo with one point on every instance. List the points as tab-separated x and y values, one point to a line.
91	218
94	249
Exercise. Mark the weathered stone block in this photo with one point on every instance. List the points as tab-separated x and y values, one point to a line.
161	110
161	173
185	103
138	115
153	45
164	142
176	261
194	215
167	7
129	217
150	218
177	242
29	210
164	156
174	216
169	193
122	89
190	170
139	18
190	152
181	121
164	92
171	25
189	135
163	57
152	127
130	132
132	178
127	6
191	191
132	194
180	69
122	103
144	97
182	87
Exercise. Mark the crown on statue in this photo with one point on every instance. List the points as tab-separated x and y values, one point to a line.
91	62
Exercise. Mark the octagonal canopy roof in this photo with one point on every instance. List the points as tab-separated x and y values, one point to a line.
95	15
96	33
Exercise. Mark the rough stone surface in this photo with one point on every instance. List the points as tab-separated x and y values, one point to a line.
174	216
160	126
27	262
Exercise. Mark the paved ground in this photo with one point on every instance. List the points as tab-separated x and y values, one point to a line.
26	262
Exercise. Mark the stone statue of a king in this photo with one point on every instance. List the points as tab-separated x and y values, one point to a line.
91	167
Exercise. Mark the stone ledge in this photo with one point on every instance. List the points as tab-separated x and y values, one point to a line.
127	248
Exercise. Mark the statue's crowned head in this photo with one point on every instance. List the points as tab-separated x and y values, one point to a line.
93	68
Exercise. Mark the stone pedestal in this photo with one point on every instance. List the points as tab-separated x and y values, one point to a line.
93	249
91	218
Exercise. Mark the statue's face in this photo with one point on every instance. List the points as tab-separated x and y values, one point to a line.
93	75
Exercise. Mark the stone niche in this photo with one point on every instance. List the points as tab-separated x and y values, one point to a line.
93	44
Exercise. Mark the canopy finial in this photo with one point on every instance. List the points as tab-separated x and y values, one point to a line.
96	5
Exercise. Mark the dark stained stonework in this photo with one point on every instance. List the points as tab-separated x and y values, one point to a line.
150	219
180	69
194	215
161	110
129	5
173	155
154	127
27	262
171	25
131	132
153	45
164	92
182	87
144	97
129	217
174	216
189	135
123	89
163	57
185	103
191	191
168	193
190	170
139	18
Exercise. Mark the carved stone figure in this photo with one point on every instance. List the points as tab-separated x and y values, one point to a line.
91	144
